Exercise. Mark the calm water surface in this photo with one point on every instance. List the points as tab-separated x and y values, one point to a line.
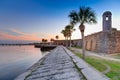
14	60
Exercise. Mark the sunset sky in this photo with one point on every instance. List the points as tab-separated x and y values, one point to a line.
37	19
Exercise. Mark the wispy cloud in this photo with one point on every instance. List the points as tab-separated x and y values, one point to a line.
8	35
17	31
23	36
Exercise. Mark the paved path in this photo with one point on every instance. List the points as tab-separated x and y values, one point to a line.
57	66
107	70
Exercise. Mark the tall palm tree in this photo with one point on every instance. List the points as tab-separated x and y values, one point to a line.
57	38
85	15
64	32
69	28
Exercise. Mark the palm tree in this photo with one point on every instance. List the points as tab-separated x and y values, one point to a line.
69	28
46	40
64	32
43	40
57	37
51	40
85	15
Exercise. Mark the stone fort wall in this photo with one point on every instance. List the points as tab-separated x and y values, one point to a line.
97	42
114	42
101	42
104	42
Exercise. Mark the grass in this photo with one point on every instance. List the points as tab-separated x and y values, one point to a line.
94	62
116	55
98	63
77	47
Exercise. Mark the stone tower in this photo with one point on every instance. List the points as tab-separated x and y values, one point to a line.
107	21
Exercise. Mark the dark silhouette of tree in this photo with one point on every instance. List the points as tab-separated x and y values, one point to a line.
51	40
67	32
85	15
64	32
69	28
44	40
57	37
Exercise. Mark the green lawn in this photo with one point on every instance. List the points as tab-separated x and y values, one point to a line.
98	63
116	55
77	47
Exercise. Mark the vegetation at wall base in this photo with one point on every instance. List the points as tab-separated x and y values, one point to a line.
98	63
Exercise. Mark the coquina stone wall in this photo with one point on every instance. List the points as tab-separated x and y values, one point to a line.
104	42
114	42
101	42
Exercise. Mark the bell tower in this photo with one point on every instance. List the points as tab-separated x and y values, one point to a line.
107	21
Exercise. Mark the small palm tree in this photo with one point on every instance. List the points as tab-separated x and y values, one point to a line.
57	37
43	40
85	15
69	28
51	40
46	40
64	32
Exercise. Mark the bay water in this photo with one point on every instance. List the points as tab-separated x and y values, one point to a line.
15	60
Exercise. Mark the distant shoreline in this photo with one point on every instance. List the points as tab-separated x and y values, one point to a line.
16	44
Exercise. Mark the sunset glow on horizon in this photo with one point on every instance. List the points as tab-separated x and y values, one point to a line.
37	19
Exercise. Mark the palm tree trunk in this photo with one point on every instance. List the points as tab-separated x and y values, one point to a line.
57	42
70	41
83	46
67	42
82	28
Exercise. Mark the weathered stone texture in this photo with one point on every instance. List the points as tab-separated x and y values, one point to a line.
114	42
106	42
107	21
57	66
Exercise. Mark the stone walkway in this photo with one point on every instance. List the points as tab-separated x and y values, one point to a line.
61	64
57	66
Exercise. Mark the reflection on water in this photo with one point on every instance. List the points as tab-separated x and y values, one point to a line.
14	60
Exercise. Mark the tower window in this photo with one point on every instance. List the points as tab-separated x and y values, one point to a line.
106	18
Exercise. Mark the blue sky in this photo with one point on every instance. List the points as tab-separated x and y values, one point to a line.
36	19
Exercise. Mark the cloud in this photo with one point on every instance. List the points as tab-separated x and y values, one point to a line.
17	31
23	36
10	34
6	36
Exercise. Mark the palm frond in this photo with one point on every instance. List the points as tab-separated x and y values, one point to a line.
73	17
87	15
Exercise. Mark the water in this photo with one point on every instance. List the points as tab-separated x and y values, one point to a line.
15	60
